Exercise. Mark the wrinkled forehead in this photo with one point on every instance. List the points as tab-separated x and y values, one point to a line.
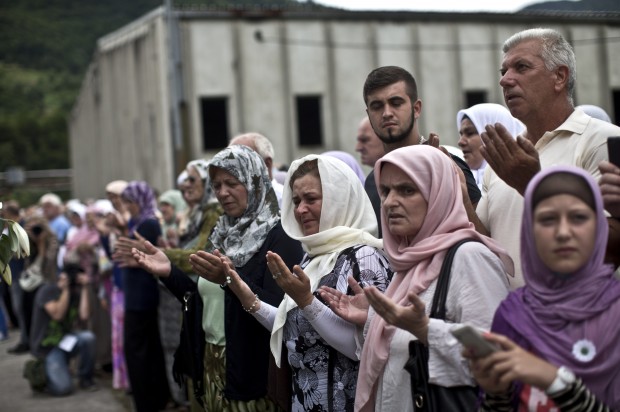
527	50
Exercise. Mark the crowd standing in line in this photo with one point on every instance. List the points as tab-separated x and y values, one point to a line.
285	297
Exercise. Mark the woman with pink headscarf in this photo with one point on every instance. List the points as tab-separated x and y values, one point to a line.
423	214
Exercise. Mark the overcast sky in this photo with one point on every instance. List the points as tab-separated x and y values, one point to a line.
431	5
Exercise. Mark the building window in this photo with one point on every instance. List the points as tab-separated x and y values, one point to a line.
615	118
473	97
309	127
214	123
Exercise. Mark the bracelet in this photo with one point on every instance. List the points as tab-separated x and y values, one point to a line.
228	281
251	308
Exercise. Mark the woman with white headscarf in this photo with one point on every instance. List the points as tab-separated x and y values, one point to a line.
171	205
471	123
325	207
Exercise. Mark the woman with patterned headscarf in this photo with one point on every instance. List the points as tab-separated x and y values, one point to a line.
202	213
235	348
142	344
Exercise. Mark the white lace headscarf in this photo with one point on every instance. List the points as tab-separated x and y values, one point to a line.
347	219
196	214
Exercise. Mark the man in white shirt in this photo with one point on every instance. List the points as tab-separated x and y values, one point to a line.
538	80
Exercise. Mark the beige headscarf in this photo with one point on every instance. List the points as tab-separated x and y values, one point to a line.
116	187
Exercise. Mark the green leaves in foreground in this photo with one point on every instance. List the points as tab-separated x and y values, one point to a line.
12	243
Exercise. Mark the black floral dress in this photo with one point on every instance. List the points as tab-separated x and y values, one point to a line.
323	378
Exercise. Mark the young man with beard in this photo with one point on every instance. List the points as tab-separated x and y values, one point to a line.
393	107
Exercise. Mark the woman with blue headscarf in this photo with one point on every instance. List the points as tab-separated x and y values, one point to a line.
143	351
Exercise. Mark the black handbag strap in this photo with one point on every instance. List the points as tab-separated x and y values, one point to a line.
438	307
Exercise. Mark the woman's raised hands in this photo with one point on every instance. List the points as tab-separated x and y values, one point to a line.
152	259
353	309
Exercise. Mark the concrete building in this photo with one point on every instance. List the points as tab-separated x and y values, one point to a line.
176	85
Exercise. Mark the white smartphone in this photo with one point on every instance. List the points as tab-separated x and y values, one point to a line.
472	339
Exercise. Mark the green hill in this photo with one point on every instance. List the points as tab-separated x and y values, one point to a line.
45	47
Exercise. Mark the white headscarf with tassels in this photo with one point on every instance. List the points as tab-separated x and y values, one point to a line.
347	219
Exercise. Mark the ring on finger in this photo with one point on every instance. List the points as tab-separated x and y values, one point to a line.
276	275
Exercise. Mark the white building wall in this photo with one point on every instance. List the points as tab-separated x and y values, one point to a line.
307	71
591	78
123	112
263	72
120	127
612	51
209	68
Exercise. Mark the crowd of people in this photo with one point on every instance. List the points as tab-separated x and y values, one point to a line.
245	288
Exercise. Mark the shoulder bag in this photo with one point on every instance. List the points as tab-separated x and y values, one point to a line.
428	397
32	277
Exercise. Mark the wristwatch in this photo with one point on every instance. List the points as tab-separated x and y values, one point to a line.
564	378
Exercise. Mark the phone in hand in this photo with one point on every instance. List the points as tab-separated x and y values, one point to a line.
613	150
473	340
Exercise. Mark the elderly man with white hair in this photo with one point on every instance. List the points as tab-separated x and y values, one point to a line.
261	145
53	209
